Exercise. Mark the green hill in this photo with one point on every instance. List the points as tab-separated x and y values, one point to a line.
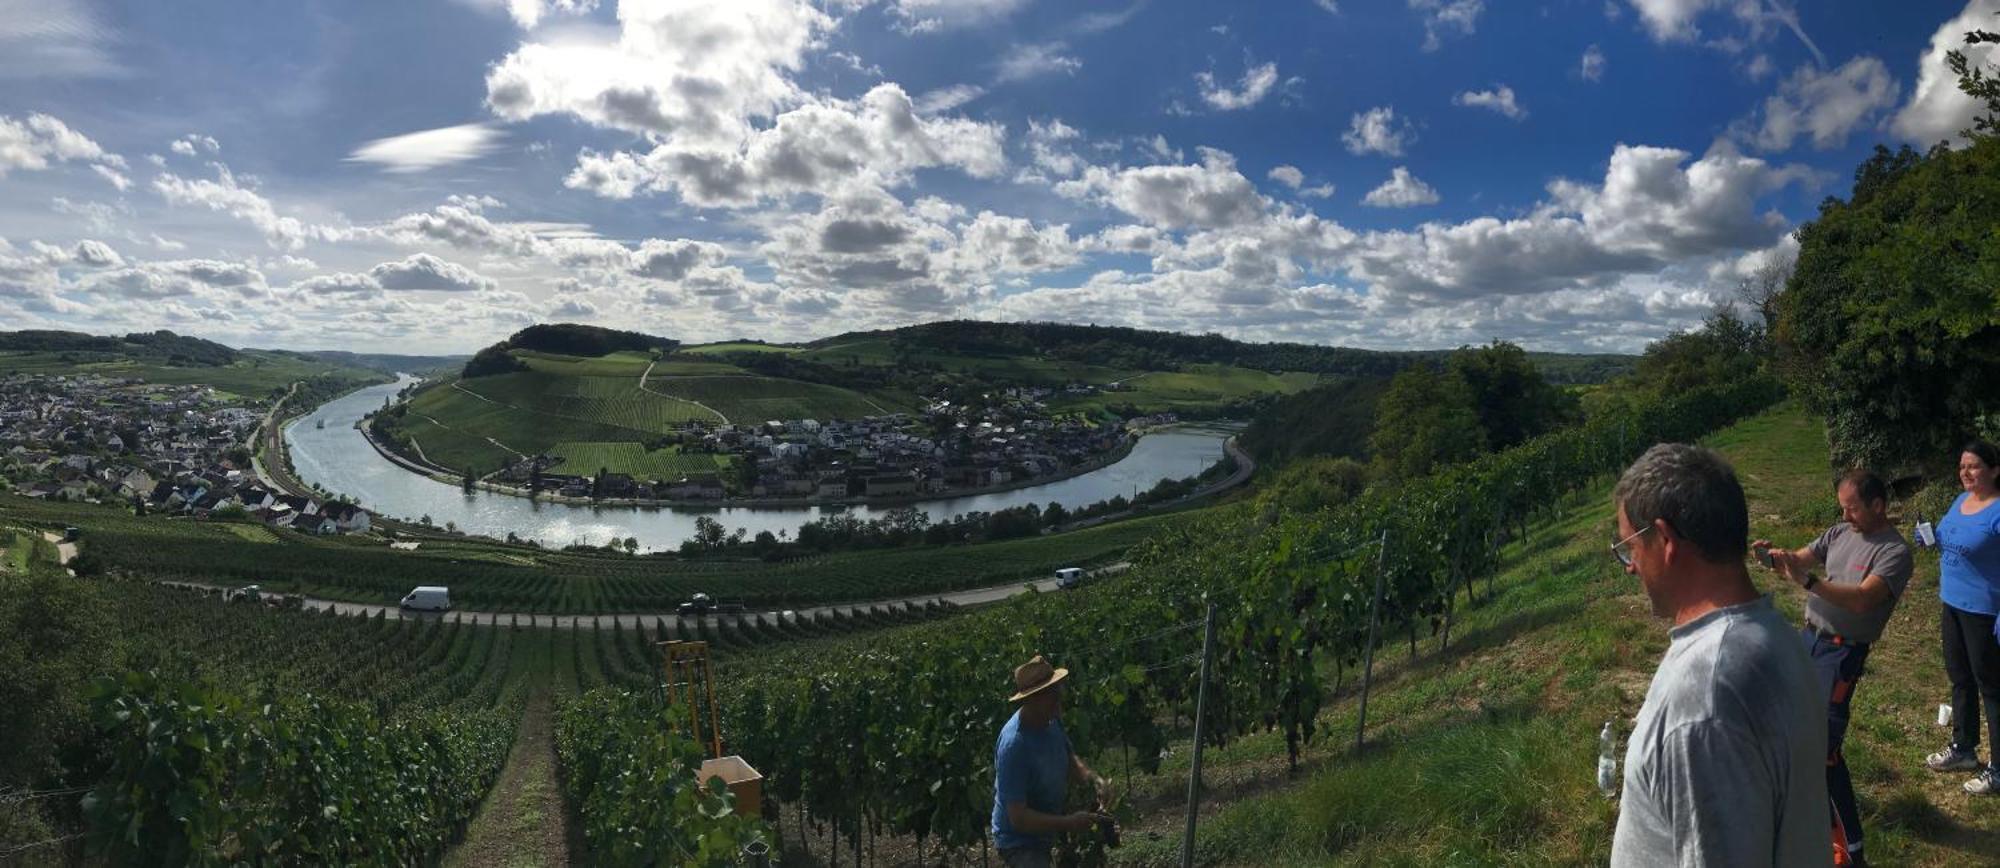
168	358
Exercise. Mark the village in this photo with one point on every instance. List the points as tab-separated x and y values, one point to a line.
1006	439
171	449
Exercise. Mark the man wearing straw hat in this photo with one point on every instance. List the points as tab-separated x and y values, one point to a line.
1033	765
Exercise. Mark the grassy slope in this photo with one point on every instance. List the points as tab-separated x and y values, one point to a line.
1485	754
564	404
255	375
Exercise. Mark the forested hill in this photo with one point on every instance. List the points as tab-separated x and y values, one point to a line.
159	346
563	339
1139	349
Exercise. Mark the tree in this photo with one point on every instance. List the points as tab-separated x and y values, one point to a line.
1514	403
466	481
1724	350
631	544
1054	514
1425	419
1891	322
1976	83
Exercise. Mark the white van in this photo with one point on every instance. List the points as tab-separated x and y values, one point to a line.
1069	577
429	598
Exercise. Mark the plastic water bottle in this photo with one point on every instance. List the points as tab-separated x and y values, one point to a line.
1607	761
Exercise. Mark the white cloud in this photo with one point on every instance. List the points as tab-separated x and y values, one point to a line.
1034	60
1049	149
1499	99
674	260
687	71
529	13
1377	131
925	16
876	140
53	39
1257	81
1209	195
116	178
1331	7
428	149
1826	106
945	99
224	194
1938	111
194	144
1592	66
424	271
1402	190
34	142
1678	21
1287	175
1443	15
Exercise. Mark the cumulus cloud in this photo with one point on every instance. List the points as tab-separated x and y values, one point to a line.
1592	65
423	271
1050	150
1294	178
1937	110
674	260
1499	99
1826	106
877	140
695	72
1679	21
1440	16
34	142
428	149
1034	60
1402	190
194	144
1377	131
1257	81
1212	194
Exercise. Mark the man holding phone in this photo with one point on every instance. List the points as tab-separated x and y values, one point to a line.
1867	566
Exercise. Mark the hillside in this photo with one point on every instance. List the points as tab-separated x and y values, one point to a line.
167	358
1061	351
1484	753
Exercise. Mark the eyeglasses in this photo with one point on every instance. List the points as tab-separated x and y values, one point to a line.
1622	549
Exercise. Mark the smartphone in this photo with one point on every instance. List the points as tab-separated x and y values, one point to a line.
1764	557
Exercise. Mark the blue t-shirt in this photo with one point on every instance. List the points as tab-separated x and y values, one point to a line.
1969	559
1030	766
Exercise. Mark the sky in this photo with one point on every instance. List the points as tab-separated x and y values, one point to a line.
427	177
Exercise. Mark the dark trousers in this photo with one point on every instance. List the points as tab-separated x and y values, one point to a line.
1972	661
1839	664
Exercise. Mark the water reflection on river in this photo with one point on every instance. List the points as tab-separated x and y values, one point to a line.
337	458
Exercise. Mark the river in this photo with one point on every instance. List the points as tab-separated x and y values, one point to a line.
338	459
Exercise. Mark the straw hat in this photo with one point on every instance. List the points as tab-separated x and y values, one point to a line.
1034	676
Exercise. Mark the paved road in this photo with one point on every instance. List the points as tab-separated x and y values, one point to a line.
973	597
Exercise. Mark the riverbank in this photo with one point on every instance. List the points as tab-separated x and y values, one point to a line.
448	476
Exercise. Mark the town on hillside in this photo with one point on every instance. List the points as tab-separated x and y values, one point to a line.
1007	437
174	449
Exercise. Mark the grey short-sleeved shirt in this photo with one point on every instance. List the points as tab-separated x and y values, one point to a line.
1851	556
1727	762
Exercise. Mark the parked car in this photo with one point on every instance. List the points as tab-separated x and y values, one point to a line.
1069	577
245	594
72	534
428	598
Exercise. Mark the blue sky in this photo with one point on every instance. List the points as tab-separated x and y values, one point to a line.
1401	173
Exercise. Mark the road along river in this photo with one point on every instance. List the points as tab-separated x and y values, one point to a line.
336	457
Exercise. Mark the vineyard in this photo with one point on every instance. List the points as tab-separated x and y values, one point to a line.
750	400
487	576
586	458
1292	595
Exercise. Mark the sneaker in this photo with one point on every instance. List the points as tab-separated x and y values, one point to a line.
1951	759
1986	783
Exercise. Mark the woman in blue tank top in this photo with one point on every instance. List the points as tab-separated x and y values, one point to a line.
1969	585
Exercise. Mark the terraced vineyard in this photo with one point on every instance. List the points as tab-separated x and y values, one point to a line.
487	576
751	399
635	459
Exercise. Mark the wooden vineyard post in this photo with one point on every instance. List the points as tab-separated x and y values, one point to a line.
1200	707
1368	671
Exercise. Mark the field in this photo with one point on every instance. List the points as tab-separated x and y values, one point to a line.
487	576
577	403
667	464
736	347
256	375
1198	386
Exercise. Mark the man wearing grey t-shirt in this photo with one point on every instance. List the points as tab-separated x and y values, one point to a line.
1867	566
1725	761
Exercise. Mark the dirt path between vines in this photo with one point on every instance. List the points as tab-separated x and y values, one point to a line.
523	822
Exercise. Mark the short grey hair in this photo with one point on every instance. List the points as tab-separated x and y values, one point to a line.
1695	491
